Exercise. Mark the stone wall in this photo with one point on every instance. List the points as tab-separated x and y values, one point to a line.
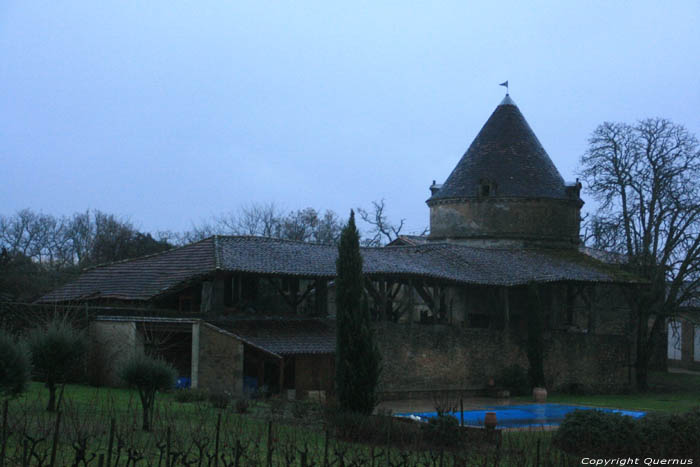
426	358
220	366
113	342
504	218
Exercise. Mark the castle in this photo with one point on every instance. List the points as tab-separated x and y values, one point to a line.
451	309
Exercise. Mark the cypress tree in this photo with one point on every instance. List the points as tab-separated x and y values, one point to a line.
357	356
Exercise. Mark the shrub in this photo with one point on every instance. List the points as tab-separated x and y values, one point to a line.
277	406
242	406
300	409
190	395
596	431
377	429
671	435
149	375
442	431
515	379
219	400
56	351
610	434
15	366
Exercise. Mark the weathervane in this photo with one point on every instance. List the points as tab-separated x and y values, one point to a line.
505	83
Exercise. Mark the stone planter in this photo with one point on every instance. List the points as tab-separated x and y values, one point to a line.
539	395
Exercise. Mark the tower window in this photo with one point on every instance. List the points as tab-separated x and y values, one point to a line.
486	188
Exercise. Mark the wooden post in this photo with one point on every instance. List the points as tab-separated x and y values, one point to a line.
216	442
269	444
321	288
111	442
383	298
54	446
506	307
282	394
194	363
167	447
4	432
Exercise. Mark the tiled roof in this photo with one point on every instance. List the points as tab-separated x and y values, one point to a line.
141	278
507	152
413	240
285	336
147	277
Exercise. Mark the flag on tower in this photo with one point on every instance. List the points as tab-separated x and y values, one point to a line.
505	83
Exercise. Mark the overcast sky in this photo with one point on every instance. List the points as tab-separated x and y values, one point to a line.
170	112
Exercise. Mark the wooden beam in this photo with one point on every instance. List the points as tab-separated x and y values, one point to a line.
425	296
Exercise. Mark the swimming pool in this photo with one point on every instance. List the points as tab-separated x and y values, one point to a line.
512	416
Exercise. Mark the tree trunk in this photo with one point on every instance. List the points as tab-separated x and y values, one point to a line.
147	406
51	407
641	364
146	418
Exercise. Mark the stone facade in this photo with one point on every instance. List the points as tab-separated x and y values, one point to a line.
220	361
422	359
490	220
112	344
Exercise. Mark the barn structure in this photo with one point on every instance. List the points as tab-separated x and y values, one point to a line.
451	308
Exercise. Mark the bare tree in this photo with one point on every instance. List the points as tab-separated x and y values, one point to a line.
267	220
382	230
261	219
328	229
646	178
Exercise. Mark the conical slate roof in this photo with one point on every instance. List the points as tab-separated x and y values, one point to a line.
507	154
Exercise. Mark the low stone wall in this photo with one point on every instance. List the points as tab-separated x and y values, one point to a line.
220	361
429	358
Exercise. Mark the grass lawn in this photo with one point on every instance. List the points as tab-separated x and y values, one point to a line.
669	392
190	429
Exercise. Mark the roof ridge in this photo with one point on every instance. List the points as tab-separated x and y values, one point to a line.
274	239
150	255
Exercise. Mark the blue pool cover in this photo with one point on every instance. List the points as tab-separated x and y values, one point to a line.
512	416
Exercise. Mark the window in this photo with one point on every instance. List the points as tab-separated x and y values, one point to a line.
486	188
696	344
674	340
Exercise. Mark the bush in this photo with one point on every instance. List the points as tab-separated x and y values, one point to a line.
57	351
610	434
15	367
242	406
442	431
515	379
376	429
219	400
149	375
190	395
667	435
595	431
300	409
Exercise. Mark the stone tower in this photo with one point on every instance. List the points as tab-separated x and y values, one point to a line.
505	191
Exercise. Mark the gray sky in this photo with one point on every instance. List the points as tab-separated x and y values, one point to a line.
170	112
